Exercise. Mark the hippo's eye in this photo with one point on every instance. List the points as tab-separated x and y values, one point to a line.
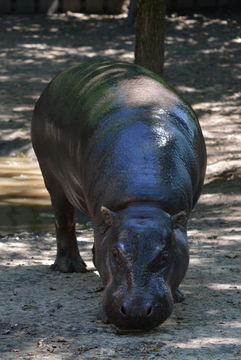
159	262
164	256
116	255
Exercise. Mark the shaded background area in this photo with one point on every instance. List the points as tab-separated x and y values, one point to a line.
47	315
202	52
100	6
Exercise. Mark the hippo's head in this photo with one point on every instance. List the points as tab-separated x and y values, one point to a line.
142	258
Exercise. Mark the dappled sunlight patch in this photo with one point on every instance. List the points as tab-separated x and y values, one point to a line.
202	263
21	182
27	248
22	108
220	286
232	325
33	27
127	56
4	78
34	46
13	134
233	237
183	88
46	52
237	40
217	106
197	261
208	342
172	40
213	312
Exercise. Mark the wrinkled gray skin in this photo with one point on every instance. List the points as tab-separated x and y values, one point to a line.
113	140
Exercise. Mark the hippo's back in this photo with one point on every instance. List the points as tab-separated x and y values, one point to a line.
116	133
96	89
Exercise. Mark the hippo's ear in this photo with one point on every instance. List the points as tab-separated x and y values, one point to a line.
179	220
107	215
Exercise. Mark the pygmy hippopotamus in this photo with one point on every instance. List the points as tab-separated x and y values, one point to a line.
115	141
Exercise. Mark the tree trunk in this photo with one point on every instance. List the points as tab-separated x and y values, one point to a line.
149	46
132	11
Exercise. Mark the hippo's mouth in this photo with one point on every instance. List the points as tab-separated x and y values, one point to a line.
138	323
136	320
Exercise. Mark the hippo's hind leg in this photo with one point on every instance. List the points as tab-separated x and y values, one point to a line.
68	258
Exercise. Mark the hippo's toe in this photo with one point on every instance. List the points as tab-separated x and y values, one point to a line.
69	264
178	296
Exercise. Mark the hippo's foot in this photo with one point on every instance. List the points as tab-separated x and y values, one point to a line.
178	296
69	264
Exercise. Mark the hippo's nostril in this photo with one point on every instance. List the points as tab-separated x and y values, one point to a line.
123	310
149	311
146	311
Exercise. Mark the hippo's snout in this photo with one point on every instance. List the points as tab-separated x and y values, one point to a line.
128	311
138	313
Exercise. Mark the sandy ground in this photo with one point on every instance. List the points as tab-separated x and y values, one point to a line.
45	315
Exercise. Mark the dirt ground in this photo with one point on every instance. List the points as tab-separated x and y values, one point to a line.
45	315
